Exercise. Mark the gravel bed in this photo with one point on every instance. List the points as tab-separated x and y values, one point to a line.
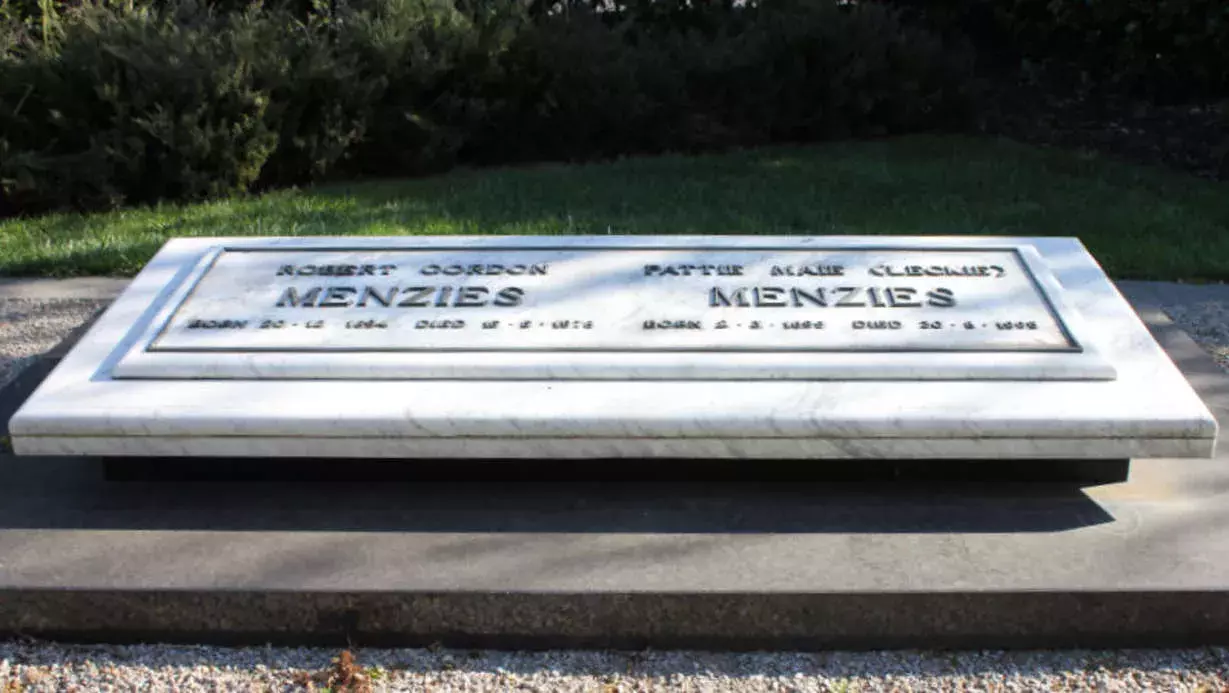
1207	323
30	327
51	667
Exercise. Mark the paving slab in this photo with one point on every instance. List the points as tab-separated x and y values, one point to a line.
749	562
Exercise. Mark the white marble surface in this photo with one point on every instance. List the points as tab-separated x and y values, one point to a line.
1147	409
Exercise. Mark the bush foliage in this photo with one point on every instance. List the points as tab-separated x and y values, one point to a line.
1171	49
1166	49
136	107
111	103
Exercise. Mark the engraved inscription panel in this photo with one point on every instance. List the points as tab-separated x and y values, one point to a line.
615	299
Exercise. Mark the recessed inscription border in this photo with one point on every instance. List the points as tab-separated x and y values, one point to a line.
1028	261
1069	353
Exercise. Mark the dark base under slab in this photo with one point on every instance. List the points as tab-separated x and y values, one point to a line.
633	470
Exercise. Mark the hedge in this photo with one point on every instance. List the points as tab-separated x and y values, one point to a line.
1169	50
113	104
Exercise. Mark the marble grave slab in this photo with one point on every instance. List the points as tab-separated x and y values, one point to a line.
612	346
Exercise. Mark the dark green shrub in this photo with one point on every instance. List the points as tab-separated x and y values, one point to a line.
322	99
136	107
572	87
807	70
1160	48
139	102
707	16
144	105
436	61
580	84
1173	48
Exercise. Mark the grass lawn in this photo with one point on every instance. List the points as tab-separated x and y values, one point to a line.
1139	222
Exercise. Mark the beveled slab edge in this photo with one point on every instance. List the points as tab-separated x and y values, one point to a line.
816	448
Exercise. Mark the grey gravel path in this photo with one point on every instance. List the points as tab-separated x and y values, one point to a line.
1206	321
1200	310
77	287
34	667
29	327
35	314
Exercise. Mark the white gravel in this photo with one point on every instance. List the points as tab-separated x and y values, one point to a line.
50	667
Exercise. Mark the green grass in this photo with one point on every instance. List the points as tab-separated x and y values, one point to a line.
1139	222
